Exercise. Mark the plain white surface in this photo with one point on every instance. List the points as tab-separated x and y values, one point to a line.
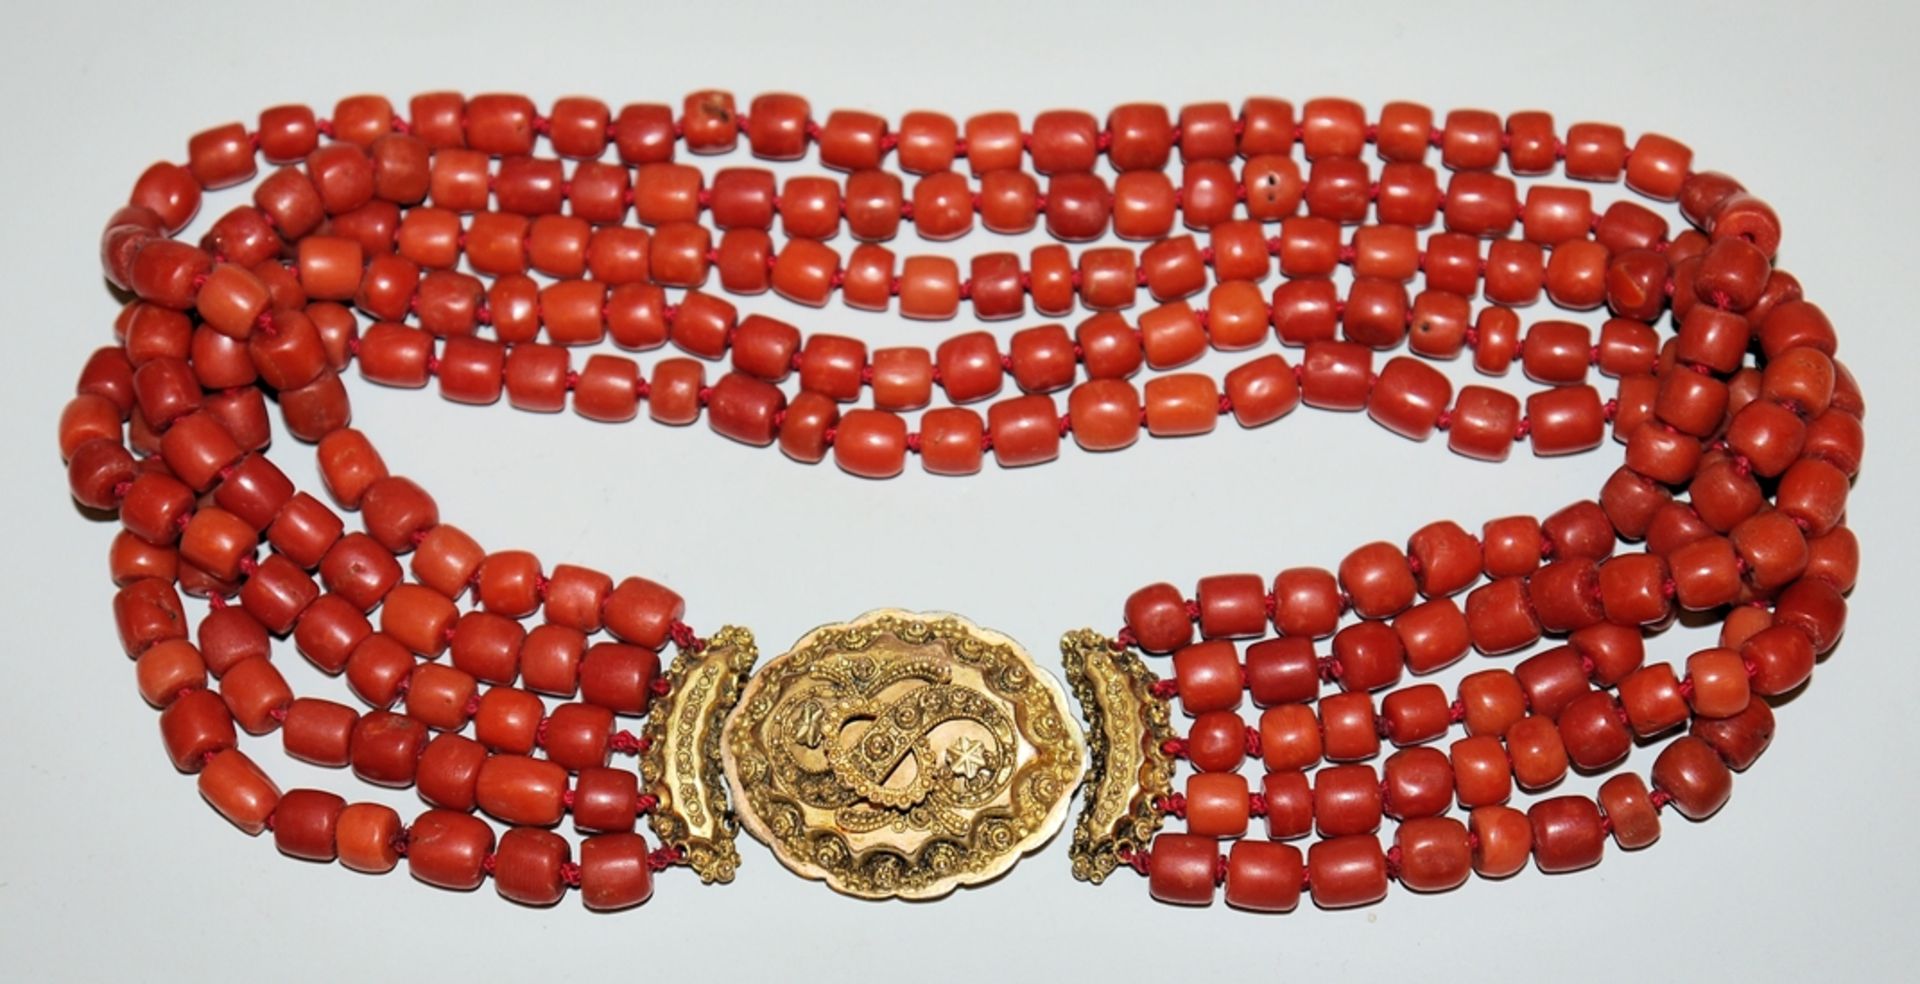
110	866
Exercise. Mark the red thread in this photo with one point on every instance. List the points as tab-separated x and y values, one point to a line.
1137	860
1125	639
1257	805
1252	743
664	857
1164	689
1174	748
1172	804
1220	870
627	743
1456	712
1659	798
646	803
570	873
684	637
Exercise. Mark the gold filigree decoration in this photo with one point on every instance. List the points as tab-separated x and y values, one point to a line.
1128	769
682	764
902	755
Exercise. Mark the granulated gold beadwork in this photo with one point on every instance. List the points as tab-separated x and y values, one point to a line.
902	755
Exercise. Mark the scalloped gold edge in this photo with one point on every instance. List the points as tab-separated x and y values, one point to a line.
1126	767
682	763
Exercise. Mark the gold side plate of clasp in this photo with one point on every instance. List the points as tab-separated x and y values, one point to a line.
682	763
1129	769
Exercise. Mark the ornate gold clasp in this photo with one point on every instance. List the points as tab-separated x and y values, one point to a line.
902	755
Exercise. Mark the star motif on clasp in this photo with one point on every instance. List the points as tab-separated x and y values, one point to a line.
966	758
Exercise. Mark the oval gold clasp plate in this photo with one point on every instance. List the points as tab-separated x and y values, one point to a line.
902	755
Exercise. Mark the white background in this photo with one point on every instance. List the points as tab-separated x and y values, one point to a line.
110	865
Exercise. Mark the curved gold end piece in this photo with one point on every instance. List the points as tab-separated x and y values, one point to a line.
1127	768
682	765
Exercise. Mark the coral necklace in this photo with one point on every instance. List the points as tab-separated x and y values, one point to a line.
474	242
